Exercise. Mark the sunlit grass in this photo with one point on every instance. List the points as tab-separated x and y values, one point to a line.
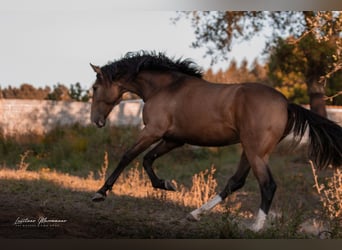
330	192
134	183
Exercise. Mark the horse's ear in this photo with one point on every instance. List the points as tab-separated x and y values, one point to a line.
97	69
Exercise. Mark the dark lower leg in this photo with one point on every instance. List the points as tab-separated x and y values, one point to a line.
114	176
238	179
267	190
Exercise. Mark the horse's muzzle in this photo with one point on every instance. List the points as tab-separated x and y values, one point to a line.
100	123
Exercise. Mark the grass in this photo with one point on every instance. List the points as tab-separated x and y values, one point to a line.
133	183
80	150
58	173
73	149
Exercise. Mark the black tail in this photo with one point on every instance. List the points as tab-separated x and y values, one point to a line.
325	146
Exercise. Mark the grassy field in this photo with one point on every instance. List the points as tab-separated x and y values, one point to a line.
54	177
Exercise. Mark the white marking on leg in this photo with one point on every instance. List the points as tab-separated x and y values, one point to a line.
206	207
259	221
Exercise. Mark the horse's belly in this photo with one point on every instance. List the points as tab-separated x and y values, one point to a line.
218	136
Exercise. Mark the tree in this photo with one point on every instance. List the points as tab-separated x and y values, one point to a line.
25	91
334	87
304	63
59	93
77	93
259	72
217	31
235	74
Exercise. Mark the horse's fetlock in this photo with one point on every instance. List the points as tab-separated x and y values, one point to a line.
158	184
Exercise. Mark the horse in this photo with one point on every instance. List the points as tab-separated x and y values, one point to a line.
180	107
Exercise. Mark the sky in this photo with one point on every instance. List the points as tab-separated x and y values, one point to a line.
44	43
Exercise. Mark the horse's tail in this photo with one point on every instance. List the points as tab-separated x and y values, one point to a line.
325	136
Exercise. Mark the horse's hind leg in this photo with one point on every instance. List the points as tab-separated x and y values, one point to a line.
267	188
234	183
162	148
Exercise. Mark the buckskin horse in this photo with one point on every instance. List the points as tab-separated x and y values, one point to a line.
183	108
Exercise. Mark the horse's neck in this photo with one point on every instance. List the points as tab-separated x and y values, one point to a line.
149	83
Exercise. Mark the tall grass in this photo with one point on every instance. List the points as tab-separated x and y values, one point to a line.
133	182
72	149
23	165
330	191
102	172
79	150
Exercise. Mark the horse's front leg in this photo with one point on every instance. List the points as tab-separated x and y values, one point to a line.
162	148
146	139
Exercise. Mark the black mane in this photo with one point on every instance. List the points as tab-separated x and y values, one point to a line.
134	62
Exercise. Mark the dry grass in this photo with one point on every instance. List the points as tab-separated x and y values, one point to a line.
134	186
136	183
330	193
202	189
23	165
133	182
104	167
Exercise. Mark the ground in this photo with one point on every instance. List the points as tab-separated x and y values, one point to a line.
117	217
27	195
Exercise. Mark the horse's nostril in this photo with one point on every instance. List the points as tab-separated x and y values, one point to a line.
100	123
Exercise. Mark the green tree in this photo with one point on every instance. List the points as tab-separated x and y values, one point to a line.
334	87
298	68
77	93
217	31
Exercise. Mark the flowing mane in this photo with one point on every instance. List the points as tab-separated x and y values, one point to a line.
134	62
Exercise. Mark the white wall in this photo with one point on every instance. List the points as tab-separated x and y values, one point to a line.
33	116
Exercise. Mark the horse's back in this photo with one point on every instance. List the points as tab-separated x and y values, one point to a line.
262	100
202	113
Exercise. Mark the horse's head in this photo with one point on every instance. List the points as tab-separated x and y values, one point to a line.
106	94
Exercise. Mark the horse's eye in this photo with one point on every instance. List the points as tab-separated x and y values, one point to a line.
94	88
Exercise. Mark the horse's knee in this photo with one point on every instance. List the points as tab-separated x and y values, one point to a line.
147	161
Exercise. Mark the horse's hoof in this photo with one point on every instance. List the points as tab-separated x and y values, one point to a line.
98	197
169	186
256	227
191	217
